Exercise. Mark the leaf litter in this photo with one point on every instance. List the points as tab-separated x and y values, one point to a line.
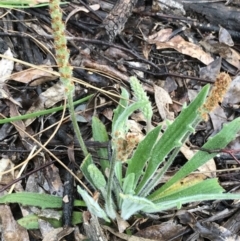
169	57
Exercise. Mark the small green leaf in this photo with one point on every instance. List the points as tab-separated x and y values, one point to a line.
84	168
33	199
123	103
37	200
140	157
132	204
100	134
79	203
31	221
128	184
92	205
97	177
120	123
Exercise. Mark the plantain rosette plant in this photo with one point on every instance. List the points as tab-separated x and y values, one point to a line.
129	186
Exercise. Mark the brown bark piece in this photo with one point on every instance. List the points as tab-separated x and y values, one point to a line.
115	21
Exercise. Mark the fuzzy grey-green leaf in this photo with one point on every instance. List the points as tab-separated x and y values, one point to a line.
92	205
220	140
97	177
132	204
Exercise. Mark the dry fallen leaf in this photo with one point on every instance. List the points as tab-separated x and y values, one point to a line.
6	164
51	234
121	223
94	7
215	47
19	125
213	231
229	54
10	229
108	113
211	71
161	36
218	118
172	5
34	76
46	100
163	99
233	94
208	169
232	58
182	46
162	232
225	37
6	66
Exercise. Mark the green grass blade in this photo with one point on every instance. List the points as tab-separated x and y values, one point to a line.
42	112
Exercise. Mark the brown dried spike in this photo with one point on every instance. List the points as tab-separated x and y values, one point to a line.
216	95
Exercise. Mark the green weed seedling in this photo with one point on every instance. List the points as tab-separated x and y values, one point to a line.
129	186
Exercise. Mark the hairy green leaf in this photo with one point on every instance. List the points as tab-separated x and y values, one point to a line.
100	134
132	204
84	168
97	177
220	140
206	190
92	205
123	103
143	152
172	138
33	199
31	221
128	184
120	123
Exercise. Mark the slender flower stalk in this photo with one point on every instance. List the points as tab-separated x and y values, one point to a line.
65	70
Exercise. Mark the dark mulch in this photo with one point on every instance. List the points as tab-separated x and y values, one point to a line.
98	66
